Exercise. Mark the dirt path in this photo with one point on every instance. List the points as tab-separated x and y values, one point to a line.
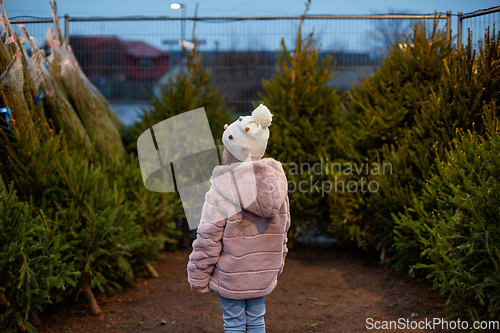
319	291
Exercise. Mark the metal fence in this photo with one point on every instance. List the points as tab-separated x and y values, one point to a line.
477	22
133	57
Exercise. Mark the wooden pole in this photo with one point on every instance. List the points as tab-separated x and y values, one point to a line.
66	27
459	29
448	26
89	297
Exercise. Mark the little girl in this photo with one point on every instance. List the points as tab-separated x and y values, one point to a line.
241	241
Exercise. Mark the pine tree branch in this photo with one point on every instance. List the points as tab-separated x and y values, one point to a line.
193	39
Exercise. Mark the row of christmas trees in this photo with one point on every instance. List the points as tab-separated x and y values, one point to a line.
80	219
429	115
75	217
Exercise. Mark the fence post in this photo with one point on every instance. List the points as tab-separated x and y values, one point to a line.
459	29
448	26
66	27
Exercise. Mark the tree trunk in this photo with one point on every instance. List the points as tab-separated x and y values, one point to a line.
152	271
89	297
383	254
185	241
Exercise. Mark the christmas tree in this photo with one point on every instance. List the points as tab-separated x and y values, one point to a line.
470	83
305	113
389	128
459	236
75	221
85	197
33	266
191	89
101	123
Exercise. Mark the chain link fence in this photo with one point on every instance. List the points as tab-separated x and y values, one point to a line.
476	23
132	58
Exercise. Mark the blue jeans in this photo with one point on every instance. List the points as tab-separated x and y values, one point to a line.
242	315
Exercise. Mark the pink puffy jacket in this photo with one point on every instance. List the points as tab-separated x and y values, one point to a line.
240	247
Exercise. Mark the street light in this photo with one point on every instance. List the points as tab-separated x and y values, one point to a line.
182	7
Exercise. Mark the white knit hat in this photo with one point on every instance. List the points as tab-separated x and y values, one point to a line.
246	138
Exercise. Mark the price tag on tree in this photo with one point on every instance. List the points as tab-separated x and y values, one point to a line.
39	98
4	112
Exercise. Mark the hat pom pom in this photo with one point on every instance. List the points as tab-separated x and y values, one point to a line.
262	116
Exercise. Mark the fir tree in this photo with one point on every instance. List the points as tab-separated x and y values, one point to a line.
387	122
73	223
191	89
459	236
89	206
33	266
306	112
470	83
98	222
155	212
406	115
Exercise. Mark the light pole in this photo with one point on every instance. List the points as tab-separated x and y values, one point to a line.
182	7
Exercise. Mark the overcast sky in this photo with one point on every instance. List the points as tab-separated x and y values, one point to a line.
237	8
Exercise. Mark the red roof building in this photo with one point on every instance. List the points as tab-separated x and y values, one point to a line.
111	59
144	61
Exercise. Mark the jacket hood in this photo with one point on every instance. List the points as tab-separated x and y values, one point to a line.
259	187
